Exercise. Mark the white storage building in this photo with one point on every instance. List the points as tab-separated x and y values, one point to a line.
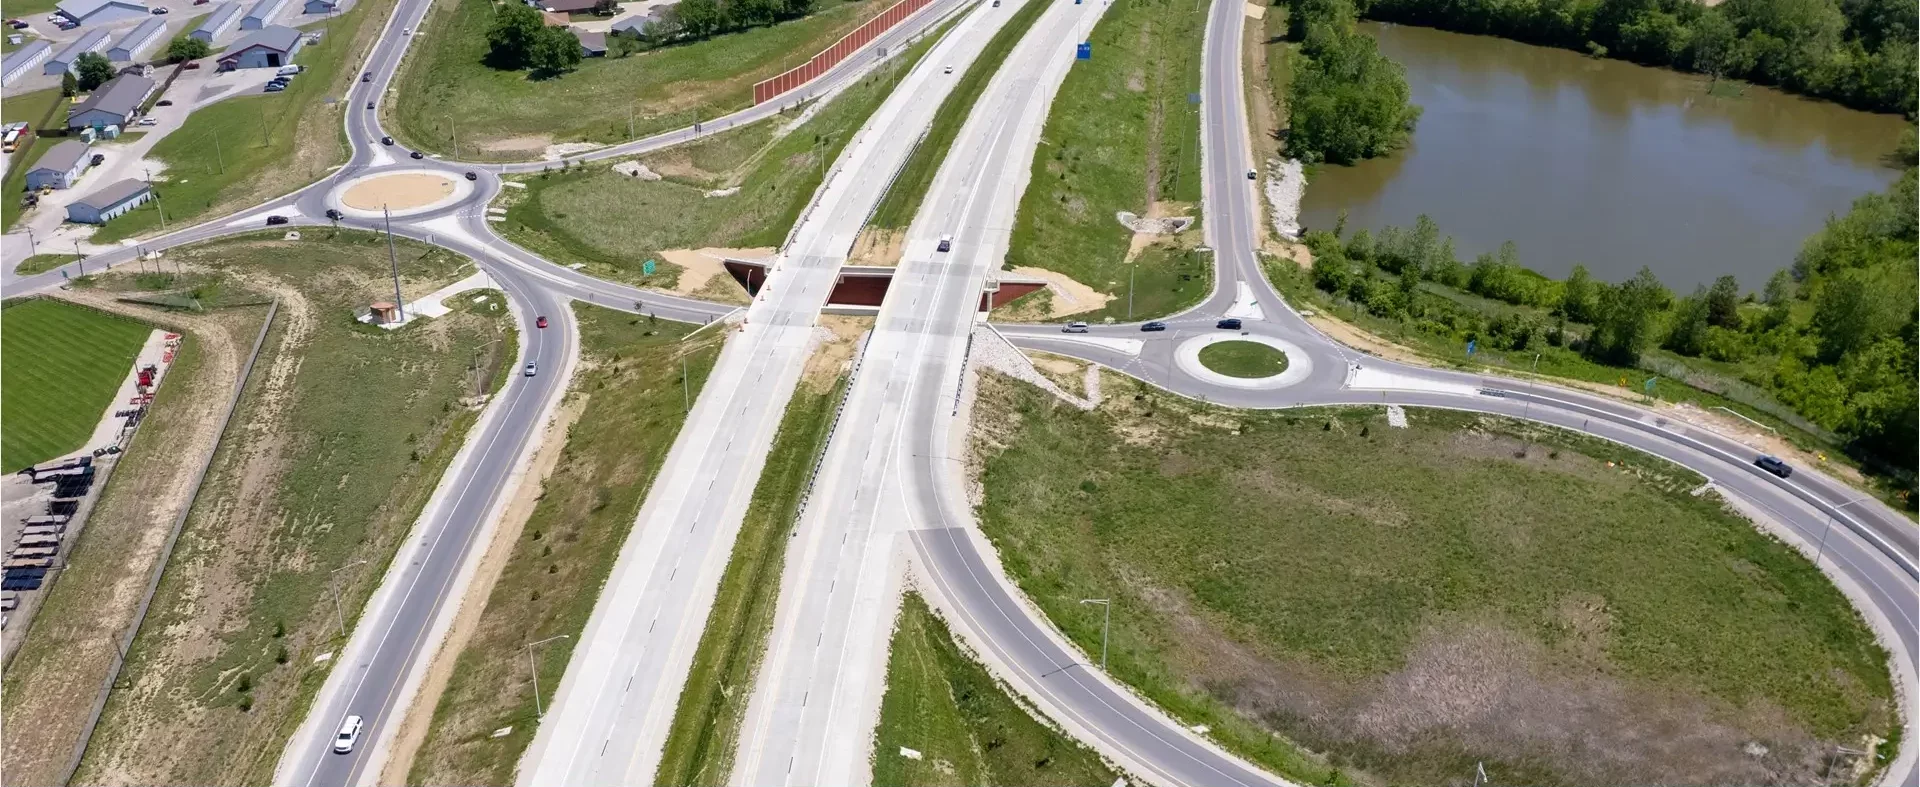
217	23
138	40
62	61
101	206
59	167
262	14
23	60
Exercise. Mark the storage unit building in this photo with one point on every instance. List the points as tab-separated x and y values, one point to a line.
270	48
59	167
23	60
261	14
89	12
112	104
101	206
138	40
321	6
217	23
62	61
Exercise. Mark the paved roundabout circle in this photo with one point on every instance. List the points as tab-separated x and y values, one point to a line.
1299	366
401	193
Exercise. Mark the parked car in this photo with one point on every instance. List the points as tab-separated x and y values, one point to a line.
348	735
946	243
146	122
289	70
386	140
1228	324
275	87
335	214
159	11
472	176
97	158
540	322
529	370
17	24
192	65
1251	175
276	219
416	154
1153	326
165	102
1075	327
1773	465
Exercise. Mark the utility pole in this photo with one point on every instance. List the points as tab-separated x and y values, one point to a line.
455	131
393	258
686	397
220	159
338	614
1130	270
1106	623
82	259
156	199
535	667
33	248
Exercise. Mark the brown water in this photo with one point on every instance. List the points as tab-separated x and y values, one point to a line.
1606	163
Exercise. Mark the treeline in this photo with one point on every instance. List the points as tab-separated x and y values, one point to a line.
1857	52
520	39
1832	337
693	20
1347	101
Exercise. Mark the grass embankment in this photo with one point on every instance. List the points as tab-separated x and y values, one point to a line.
31	109
903	198
628	388
342	435
967	728
1243	359
61	366
613	223
1411	601
54	676
41	263
706	724
506	116
1122	137
246	149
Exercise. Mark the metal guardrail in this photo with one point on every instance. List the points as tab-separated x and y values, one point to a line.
840	410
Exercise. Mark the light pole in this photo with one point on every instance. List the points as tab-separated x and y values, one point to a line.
33	247
535	667
393	258
339	615
1106	623
82	259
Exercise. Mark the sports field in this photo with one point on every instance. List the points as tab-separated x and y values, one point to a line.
59	366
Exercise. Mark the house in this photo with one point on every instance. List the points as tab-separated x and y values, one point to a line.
59	167
101	206
87	12
591	44
63	60
23	60
272	47
112	104
563	6
217	23
320	7
139	40
637	25
261	14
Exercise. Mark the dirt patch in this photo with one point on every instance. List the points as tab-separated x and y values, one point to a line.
1256	11
521	144
699	267
419	716
1069	295
877	246
834	356
1068	373
398	192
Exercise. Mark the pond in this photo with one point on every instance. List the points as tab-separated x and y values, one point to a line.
1606	163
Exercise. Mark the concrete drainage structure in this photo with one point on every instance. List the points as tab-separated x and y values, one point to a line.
1299	364
404	193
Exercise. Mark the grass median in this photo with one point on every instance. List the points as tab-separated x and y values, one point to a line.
706	725
1344	601
628	394
62	365
613	223
1121	136
343	433
447	93
965	726
1248	360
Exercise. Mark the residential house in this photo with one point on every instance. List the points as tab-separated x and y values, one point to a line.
103	205
60	166
637	25
137	41
217	23
89	12
62	61
22	60
563	6
272	47
261	14
111	104
591	44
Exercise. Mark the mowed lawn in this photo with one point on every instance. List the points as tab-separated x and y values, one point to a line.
1346	601
505	116
60	366
29	108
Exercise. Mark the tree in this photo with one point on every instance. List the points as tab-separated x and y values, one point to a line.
1687	330
69	85
93	70
187	48
1577	296
516	30
1347	102
555	51
1622	322
606	7
1857	308
699	18
1723	303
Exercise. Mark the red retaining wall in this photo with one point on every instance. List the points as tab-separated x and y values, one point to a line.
831	56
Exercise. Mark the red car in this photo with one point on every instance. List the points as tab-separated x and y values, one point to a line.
541	322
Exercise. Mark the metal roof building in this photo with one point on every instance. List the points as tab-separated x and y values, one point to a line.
82	12
138	40
103	205
113	103
262	14
217	23
62	61
20	62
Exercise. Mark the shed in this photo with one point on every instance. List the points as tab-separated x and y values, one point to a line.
62	61
103	205
23	60
59	167
217	23
271	47
138	40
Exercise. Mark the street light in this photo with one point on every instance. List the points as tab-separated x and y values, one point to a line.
1106	623
339	615
535	667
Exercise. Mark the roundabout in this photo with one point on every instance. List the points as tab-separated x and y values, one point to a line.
402	193
1225	359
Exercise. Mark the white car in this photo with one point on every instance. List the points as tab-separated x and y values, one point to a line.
349	735
529	370
948	71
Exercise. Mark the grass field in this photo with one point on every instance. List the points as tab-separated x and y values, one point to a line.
1407	602
1120	137
245	149
1243	359
30	108
41	263
341	436
613	223
505	116
902	200
629	391
969	731
59	369
706	724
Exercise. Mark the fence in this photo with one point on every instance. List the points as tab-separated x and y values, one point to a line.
848	44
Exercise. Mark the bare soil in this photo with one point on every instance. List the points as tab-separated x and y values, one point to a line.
1069	296
701	269
835	356
877	246
398	192
520	144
